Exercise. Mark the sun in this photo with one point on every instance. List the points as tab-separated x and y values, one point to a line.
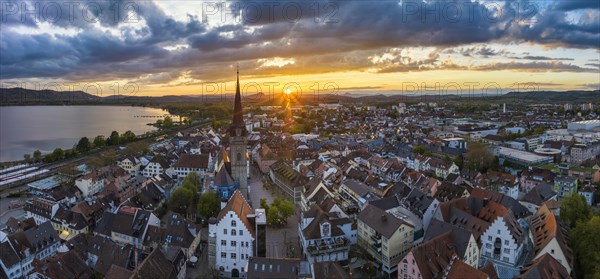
287	91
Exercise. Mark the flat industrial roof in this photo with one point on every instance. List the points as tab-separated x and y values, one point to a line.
522	155
46	183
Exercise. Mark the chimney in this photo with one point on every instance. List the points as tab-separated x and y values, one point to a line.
485	202
383	217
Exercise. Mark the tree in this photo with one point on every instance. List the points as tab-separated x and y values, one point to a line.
586	246
479	157
263	204
191	182
27	158
209	204
128	136
447	158
99	141
459	161
216	124
273	216
69	153
419	149
83	145
103	159
167	122
58	154
181	199
574	208
37	156
48	158
113	139
137	148
285	207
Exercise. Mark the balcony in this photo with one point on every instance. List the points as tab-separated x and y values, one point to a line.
376	238
329	246
376	247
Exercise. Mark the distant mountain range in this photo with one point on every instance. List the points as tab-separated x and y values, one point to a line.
21	96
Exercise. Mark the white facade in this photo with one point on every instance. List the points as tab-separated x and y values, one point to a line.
89	186
153	169
498	244
129	166
326	248
234	244
19	269
183	172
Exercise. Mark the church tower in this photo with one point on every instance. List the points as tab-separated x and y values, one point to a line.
238	143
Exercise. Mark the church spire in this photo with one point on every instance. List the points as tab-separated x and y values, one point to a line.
238	121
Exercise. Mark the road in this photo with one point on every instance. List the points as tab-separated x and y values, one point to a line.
257	191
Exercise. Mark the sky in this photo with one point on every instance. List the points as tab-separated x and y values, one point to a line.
154	48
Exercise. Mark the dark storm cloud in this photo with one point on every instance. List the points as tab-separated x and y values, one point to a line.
325	36
578	5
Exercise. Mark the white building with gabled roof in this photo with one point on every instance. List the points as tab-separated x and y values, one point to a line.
238	233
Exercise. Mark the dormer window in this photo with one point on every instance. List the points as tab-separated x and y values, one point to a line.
325	230
233	223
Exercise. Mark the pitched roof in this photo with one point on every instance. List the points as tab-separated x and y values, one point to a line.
460	236
63	266
434	256
238	204
518	210
223	178
382	222
544	267
539	194
461	270
116	271
271	268
193	161
329	270
159	159
447	191
36	238
8	255
357	187
313	230
490	270
14	224
108	253
544	227
156	265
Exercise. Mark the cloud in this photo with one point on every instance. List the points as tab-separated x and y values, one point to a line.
593	86
341	36
577	5
531	57
554	66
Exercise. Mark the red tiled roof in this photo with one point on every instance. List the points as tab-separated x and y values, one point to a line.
238	204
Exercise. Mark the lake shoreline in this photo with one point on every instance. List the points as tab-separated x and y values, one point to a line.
25	129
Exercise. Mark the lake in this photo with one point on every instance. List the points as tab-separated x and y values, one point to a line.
23	129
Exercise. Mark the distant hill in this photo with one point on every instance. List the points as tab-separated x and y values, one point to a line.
557	96
16	96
